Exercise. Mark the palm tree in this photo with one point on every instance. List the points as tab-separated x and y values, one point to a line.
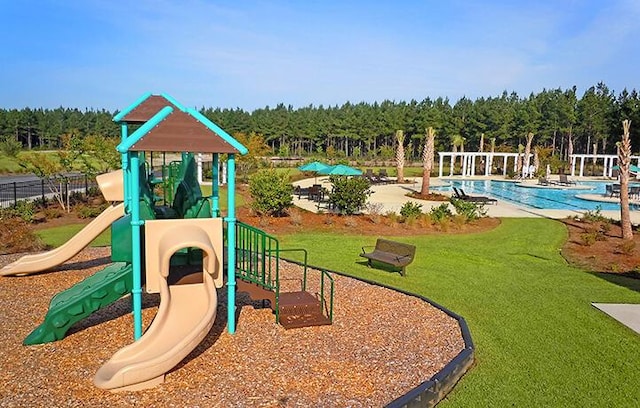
400	155
527	152
624	160
457	140
427	160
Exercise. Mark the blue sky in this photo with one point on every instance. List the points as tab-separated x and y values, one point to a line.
250	54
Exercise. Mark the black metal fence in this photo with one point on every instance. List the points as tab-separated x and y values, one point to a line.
39	190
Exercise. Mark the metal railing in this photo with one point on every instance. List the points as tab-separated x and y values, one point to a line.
256	256
326	301
39	190
257	261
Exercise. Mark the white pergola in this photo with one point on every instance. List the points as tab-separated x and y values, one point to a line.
469	161
610	160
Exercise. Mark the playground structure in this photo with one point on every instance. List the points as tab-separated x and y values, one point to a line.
169	239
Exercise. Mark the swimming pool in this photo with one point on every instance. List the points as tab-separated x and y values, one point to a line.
540	198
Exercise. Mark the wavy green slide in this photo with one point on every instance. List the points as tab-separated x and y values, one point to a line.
81	300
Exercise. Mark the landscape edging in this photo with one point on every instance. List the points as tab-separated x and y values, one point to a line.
432	391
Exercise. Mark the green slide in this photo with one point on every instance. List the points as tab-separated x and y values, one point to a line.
81	300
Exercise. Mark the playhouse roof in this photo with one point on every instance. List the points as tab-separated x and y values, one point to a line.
175	128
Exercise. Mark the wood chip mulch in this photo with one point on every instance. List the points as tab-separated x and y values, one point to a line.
381	345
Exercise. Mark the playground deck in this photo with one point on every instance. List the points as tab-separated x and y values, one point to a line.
374	352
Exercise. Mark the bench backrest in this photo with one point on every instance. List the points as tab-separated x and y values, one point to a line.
398	248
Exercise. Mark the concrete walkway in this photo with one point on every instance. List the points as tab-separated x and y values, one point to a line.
625	313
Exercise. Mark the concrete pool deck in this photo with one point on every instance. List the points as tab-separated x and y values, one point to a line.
391	197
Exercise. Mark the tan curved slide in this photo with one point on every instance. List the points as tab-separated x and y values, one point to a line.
41	262
186	313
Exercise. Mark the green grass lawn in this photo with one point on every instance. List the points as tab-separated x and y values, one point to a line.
539	342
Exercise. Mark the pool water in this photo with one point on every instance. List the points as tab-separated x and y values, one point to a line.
540	198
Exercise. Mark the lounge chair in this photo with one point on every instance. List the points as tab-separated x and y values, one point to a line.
542	181
564	181
613	190
461	195
369	175
383	177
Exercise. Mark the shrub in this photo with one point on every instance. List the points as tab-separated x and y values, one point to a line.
16	236
271	192
627	246
595	216
350	194
375	211
441	213
296	218
23	209
10	146
467	210
86	211
410	210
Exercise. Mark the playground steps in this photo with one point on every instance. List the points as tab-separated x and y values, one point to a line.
81	300
296	309
301	309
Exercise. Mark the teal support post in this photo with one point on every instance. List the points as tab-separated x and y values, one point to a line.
215	189
124	131
231	245
136	259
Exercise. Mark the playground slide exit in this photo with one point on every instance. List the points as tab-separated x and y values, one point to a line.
186	313
29	264
185	316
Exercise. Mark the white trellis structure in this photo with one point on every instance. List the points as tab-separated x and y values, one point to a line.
469	160
609	161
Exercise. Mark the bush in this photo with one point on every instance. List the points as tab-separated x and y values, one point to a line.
271	192
595	216
86	211
350	194
440	213
10	146
23	209
410	210
17	236
467	210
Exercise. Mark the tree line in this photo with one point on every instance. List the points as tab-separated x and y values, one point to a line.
561	121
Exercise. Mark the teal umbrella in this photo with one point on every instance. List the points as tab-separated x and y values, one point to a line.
341	170
632	168
315	166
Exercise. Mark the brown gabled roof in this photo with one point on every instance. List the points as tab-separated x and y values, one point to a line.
180	132
147	109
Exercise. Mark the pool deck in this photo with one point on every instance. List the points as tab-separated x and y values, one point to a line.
391	197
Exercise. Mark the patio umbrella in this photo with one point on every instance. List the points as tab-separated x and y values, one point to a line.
341	170
632	169
314	167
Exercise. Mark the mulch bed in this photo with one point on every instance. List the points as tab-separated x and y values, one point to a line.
381	345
